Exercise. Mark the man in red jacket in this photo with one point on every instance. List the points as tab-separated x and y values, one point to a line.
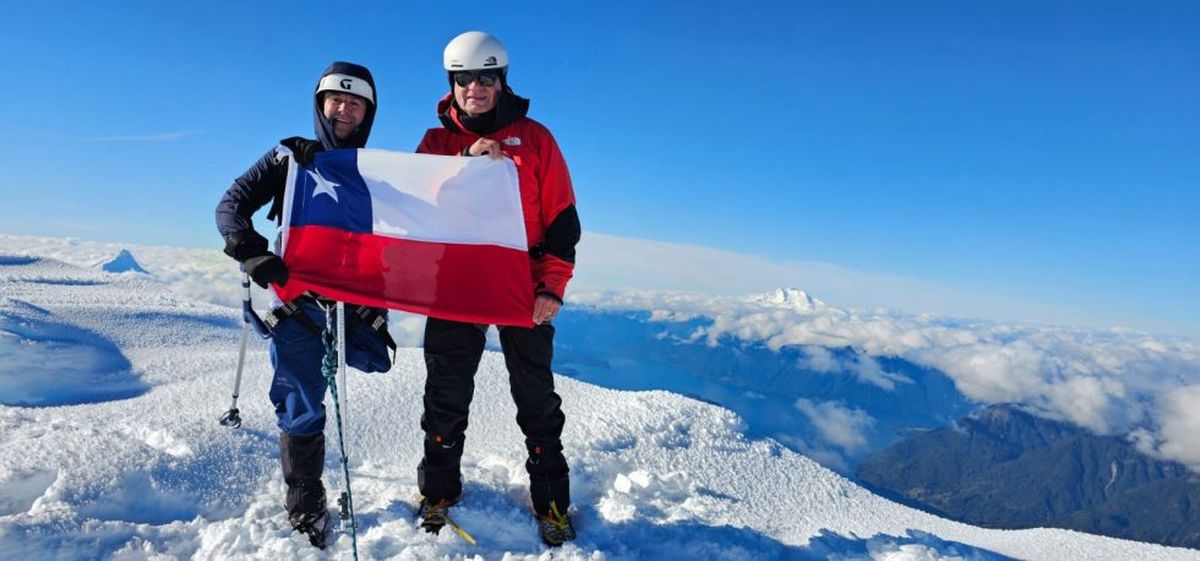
481	116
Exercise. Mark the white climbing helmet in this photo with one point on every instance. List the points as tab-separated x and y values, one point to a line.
474	50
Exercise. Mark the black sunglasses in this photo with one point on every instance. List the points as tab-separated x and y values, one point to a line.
486	78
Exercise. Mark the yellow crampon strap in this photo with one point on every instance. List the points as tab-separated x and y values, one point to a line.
458	529
557	519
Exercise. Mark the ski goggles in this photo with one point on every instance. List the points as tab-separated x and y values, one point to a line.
486	78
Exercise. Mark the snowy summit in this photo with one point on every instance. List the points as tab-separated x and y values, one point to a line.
793	299
123	263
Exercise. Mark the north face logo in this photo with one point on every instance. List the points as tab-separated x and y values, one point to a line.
489	61
512	141
346	84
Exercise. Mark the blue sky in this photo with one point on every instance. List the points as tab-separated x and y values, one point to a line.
1035	150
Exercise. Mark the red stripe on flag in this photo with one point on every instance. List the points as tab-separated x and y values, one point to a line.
470	283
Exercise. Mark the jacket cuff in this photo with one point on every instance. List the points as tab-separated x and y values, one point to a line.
552	275
545	292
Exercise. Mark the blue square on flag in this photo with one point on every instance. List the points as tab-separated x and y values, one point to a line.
332	193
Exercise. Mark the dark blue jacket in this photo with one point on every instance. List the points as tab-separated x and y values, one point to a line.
265	181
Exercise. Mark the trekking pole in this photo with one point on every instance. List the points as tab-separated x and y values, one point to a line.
233	418
334	361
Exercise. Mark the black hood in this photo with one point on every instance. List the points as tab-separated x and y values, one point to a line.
324	128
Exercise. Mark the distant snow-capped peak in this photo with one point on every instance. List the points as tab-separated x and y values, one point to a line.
123	262
791	298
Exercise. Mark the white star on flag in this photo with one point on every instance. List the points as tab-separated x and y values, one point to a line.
324	186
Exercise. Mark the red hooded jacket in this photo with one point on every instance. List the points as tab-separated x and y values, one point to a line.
551	222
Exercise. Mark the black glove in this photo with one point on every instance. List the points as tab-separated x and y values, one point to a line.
266	269
244	244
302	149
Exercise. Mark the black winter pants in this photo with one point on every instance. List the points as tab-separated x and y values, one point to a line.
452	353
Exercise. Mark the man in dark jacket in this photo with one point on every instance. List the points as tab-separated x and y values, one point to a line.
482	116
343	112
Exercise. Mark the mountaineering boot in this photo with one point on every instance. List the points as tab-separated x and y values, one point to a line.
307	511
555	527
315	525
434	513
312	519
303	459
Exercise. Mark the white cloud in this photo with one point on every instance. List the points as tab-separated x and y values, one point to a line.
619	263
865	368
839	425
1178	435
819	359
1108	381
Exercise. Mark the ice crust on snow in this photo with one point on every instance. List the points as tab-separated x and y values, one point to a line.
655	475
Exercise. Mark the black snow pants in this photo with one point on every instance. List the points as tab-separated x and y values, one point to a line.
452	354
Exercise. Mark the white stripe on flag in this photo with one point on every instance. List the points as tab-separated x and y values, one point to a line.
448	199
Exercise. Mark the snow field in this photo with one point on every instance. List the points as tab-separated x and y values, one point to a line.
152	476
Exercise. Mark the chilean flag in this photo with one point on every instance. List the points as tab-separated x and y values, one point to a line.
442	236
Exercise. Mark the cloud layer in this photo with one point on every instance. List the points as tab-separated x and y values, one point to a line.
1108	381
618	263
